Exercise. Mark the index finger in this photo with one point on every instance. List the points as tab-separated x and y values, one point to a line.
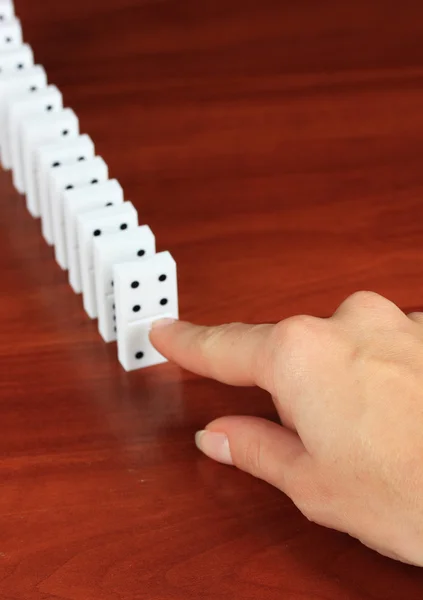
233	354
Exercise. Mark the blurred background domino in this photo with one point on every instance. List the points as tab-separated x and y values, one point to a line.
90	173
77	202
45	129
19	108
18	81
52	156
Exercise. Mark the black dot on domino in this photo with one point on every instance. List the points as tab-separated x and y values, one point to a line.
141	253
94	181
96	233
9	40
56	164
115	329
33	88
20	66
137	308
113	283
135	285
69	187
162	278
49	107
139	355
81	158
164	301
124	226
109	204
65	132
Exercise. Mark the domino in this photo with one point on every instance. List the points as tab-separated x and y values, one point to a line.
45	129
7	10
17	59
135	351
130	245
79	201
147	288
145	291
10	32
52	156
21	107
88	172
107	319
94	224
96	235
14	82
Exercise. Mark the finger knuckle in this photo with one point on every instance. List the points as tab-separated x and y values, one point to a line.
294	329
363	299
293	340
376	309
415	316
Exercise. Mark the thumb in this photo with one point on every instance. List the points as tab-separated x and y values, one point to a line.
264	449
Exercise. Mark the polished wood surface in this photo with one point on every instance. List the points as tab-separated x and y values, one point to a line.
275	148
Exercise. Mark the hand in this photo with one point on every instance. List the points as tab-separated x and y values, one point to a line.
349	392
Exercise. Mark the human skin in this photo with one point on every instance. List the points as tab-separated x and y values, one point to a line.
349	393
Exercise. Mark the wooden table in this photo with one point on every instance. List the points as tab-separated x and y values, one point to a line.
275	148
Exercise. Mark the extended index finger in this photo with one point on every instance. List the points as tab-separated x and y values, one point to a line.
233	354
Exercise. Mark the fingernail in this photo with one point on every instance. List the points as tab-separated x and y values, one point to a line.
163	323
215	446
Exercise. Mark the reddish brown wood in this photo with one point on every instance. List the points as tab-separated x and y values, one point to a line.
275	148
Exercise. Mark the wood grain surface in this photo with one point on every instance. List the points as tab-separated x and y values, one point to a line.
275	148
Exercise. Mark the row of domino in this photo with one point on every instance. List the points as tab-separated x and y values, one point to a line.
109	257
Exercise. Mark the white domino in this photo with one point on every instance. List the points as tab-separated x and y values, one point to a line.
77	202
111	259
20	107
52	156
17	59
10	32
45	129
107	319
90	225
135	350
7	10
145	291
14	82
130	245
88	172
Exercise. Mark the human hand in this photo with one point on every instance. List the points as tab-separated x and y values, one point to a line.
349	392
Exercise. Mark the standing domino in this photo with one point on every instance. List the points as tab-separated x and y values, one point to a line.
92	225
88	172
125	246
13	82
50	157
21	107
145	291
17	59
10	33
7	10
46	129
77	202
